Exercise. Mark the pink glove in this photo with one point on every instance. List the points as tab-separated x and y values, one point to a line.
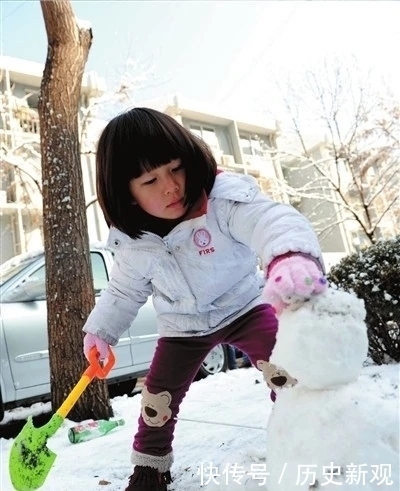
91	340
293	280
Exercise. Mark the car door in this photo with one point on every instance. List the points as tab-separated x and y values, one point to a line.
25	328
101	264
143	335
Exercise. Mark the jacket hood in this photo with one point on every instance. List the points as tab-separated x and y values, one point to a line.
235	187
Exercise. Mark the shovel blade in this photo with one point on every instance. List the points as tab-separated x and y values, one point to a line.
30	459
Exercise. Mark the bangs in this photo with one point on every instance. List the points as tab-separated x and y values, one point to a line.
139	166
152	142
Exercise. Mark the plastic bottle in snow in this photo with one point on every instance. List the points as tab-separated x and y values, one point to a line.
92	429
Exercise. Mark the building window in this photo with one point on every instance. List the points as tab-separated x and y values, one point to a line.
208	135
251	145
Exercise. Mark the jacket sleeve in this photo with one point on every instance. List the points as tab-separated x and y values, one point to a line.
272	229
120	302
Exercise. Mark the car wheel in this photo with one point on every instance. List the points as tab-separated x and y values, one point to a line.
122	388
215	362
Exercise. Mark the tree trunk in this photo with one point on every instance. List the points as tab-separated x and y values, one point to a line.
70	295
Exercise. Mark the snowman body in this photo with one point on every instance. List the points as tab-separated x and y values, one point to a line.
328	432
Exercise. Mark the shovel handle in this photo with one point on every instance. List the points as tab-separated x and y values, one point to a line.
95	369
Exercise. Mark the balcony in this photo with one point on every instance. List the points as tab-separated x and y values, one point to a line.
227	163
19	122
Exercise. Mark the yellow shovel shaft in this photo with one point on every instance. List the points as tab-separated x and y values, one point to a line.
95	369
74	395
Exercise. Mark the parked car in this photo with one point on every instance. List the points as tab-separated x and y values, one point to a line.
24	356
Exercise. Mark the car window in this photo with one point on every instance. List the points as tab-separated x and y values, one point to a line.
13	266
33	287
99	270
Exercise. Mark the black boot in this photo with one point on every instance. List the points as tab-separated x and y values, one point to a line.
148	479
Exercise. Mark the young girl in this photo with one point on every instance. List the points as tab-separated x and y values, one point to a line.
192	238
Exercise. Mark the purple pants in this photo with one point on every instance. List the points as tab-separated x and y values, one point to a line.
177	360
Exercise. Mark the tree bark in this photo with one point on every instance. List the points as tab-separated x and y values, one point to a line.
70	295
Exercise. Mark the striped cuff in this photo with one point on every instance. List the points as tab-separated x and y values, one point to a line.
161	463
280	258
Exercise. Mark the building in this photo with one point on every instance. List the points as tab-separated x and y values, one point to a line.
323	212
239	144
20	172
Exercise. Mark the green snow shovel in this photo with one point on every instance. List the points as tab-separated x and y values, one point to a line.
30	459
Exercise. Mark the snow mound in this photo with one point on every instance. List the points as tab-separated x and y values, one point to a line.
324	343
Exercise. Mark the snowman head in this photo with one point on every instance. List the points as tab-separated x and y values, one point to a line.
324	343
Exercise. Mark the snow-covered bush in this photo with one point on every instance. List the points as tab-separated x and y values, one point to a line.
373	274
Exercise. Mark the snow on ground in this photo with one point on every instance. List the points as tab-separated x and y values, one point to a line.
220	438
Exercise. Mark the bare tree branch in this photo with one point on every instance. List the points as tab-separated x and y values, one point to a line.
356	169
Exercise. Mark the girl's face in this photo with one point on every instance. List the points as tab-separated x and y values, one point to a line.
161	192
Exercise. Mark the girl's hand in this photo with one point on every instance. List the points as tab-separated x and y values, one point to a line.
90	341
293	280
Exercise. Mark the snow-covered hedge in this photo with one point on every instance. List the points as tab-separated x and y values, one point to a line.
373	274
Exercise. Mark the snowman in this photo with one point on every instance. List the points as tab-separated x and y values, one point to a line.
325	431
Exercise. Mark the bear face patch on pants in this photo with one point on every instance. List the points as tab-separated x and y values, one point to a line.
155	407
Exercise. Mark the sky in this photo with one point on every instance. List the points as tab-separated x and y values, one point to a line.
221	52
228	430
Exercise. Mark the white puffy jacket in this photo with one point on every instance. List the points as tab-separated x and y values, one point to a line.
204	273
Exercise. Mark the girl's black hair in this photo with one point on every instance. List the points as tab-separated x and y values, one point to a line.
141	140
